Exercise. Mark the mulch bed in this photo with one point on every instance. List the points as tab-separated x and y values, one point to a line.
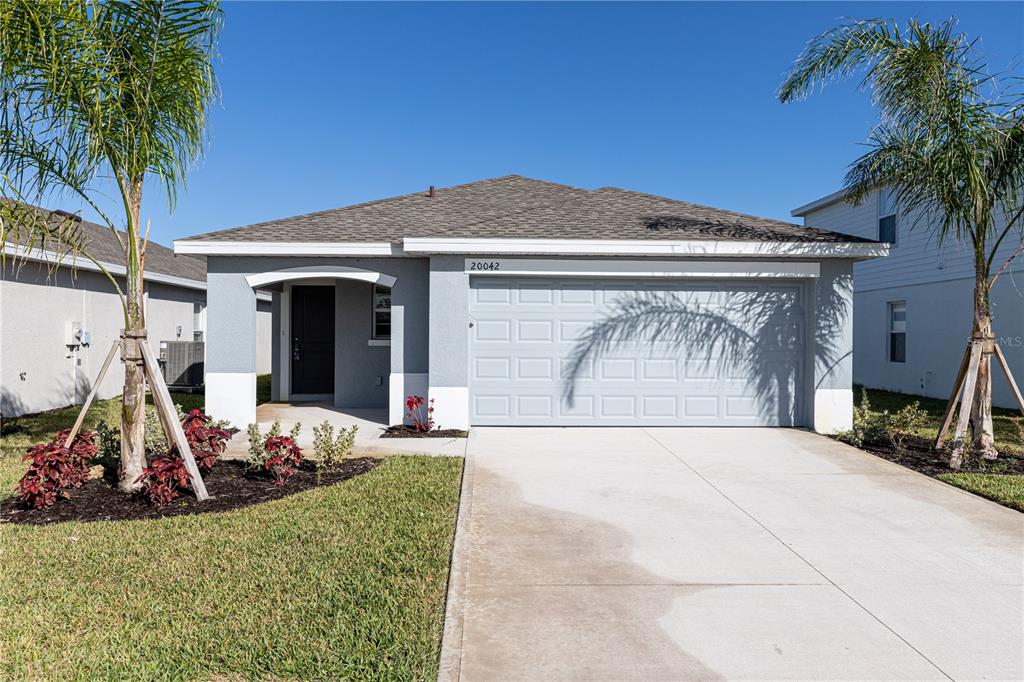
229	484
402	431
921	457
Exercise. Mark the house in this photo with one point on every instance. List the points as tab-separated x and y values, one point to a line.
57	324
515	301
913	310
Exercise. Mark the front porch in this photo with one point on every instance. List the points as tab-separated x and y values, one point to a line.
347	333
371	423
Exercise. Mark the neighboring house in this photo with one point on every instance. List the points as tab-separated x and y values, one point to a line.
913	310
483	297
43	365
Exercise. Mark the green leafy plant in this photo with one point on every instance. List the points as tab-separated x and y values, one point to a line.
868	425
904	422
257	453
331	449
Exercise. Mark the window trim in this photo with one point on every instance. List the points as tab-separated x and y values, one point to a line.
374	335
893	213
890	308
200	317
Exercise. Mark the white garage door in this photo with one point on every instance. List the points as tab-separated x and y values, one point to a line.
616	352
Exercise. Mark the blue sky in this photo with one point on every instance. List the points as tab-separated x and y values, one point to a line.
327	104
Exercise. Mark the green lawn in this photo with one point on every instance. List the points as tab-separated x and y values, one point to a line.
342	582
995	483
1005	489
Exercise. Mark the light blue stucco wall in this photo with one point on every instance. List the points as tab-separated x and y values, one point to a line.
449	321
832	325
360	370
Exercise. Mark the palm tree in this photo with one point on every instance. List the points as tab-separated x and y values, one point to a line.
949	145
99	93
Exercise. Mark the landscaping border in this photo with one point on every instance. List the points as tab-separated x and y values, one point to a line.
450	663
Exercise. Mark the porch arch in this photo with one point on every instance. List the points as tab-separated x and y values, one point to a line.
320	271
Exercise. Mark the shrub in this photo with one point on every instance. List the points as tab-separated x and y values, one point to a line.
257	442
283	455
257	453
868	426
54	469
420	411
331	450
163	479
109	437
152	433
904	422
108	443
206	441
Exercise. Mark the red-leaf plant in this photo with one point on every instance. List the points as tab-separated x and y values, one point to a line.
283	456
420	412
163	479
55	469
207	442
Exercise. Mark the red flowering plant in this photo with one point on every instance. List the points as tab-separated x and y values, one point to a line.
163	479
283	456
420	412
53	469
206	441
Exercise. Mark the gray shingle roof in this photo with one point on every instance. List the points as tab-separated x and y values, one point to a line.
102	245
517	207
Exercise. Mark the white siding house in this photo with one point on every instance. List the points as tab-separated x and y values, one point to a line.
912	309
40	369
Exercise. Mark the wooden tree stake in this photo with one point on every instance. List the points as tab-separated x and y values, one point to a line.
92	394
958	386
164	404
1009	377
956	458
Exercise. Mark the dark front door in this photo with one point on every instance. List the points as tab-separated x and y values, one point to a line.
312	339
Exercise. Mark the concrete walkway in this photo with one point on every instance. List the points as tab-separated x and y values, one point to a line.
371	425
612	554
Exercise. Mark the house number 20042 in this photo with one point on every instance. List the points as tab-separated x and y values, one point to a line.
485	265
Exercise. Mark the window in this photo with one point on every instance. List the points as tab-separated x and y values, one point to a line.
381	312
887	217
198	320
898	331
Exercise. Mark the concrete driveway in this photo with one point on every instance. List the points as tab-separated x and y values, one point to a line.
720	554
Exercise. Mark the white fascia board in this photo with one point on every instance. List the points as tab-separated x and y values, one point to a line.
82	263
835	197
622	247
641	268
212	248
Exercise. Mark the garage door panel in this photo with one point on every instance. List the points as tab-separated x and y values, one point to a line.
532	369
528	338
492	330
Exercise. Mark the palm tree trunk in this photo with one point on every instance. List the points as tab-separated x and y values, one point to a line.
981	410
133	409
